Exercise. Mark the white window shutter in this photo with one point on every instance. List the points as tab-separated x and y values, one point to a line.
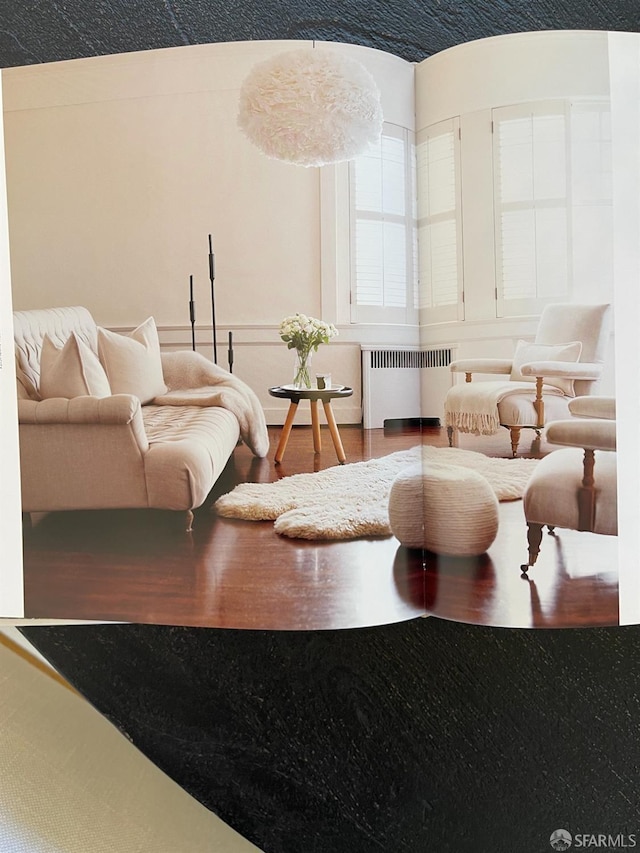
439	222
532	203
383	229
552	196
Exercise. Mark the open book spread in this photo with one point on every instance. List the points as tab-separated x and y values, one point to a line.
265	380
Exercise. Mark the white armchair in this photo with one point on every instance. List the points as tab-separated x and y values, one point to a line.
575	488
565	360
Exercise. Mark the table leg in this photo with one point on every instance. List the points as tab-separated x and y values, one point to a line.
315	426
286	431
333	429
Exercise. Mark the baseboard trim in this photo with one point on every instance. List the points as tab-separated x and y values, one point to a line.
399	424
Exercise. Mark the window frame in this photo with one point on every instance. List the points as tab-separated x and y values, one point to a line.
360	314
454	311
568	109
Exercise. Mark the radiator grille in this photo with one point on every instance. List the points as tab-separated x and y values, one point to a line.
404	384
409	358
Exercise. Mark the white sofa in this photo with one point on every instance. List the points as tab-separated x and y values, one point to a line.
112	452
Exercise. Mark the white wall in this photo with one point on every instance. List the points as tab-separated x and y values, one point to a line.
119	167
509	70
470	80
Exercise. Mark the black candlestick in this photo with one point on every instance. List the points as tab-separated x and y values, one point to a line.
192	314
230	352
212	276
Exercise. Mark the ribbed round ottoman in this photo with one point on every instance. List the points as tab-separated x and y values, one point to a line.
443	508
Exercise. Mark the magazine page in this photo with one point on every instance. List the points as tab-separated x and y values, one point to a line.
136	204
11	585
624	68
527	223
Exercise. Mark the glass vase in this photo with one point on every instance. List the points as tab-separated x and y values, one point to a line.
302	371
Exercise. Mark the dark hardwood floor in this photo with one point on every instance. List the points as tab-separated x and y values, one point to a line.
138	565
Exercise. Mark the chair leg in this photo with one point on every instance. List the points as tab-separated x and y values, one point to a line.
534	537
515	439
189	521
587	494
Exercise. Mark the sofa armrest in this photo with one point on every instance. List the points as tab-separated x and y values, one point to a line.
565	369
482	365
122	409
84	453
590	433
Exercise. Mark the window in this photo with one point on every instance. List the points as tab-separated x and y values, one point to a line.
439	222
383	231
552	187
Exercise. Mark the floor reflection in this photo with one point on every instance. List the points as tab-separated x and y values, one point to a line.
139	566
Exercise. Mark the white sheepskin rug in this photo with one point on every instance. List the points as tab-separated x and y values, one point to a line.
349	501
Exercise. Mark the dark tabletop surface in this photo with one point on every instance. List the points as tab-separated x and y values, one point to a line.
310	393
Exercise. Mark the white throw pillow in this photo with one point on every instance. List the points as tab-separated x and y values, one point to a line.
72	370
526	352
132	362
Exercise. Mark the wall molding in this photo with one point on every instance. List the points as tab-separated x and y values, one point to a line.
179	336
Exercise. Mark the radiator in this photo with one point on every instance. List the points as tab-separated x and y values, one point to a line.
404	383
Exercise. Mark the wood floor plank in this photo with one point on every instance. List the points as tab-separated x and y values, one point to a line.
139	566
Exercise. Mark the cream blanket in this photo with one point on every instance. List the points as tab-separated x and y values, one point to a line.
192	380
473	406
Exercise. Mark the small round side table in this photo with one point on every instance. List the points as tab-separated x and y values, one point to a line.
312	395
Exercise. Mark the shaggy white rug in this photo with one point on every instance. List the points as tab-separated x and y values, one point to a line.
351	500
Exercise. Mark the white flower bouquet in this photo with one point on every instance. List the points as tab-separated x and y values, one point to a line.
304	335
